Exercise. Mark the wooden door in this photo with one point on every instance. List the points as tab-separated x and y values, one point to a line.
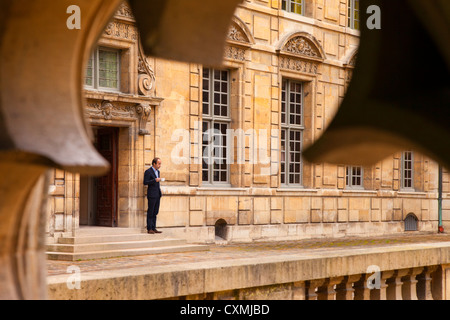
107	185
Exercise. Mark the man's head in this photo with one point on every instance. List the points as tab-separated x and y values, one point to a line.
156	163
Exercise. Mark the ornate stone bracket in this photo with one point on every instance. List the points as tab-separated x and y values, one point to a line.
146	78
144	111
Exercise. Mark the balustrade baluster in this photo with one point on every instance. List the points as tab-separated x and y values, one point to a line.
409	288
344	290
311	287
299	291
395	284
424	284
362	292
327	290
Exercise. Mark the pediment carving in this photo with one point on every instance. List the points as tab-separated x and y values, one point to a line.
303	46
239	40
124	11
237	34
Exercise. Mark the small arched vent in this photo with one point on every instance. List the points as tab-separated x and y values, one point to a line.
221	229
411	222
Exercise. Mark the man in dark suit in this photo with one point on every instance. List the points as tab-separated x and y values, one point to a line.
151	179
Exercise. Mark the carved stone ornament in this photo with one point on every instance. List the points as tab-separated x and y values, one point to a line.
118	29
238	42
236	34
121	111
235	53
301	46
125	11
106	109
146	78
293	64
109	111
143	110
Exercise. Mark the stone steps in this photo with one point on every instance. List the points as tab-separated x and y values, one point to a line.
98	243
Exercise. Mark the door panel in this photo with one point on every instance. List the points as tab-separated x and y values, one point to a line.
107	185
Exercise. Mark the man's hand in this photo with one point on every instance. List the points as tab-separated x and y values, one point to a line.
158	179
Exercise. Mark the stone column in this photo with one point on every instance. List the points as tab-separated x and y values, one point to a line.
311	287
327	291
362	291
298	291
344	290
381	294
409	290
395	284
424	284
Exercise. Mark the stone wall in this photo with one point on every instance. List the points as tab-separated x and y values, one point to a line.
265	45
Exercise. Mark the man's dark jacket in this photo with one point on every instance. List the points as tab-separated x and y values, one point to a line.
154	190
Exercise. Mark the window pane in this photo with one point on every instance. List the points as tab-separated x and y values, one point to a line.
354	176
89	77
205	176
291	135
206	91
407	169
108	69
205	73
218	108
296	6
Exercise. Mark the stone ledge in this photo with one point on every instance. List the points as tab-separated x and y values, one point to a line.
196	278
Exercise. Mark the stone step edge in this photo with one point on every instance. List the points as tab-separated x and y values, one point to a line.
123	253
121	245
111	238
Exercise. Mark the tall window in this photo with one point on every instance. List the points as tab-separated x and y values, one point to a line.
216	121
103	69
291	132
354	177
295	6
407	178
353	14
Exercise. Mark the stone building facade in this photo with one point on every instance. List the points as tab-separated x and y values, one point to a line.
231	137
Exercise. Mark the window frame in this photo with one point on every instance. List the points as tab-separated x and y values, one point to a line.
95	58
288	128
286	5
350	176
351	9
213	119
403	169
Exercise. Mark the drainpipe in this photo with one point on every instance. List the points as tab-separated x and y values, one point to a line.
440	226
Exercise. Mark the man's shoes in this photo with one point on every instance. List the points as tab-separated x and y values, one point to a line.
151	232
156	231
